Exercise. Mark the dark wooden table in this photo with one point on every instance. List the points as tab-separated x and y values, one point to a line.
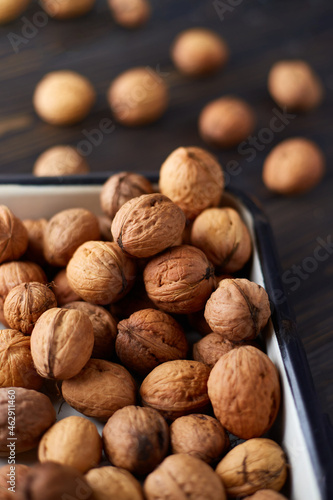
259	32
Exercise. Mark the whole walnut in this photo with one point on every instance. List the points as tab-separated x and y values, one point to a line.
111	483
60	160
34	414
100	389
66	231
108	273
176	388
17	368
238	309
61	289
14	474
253	465
294	166
10	10
136	439
61	343
266	495
130	13
294	85
182	476
136	300
200	436
179	280
72	441
120	188
244	390
148	338
211	348
13	236
147	225
35	250
193	179
25	303
223	236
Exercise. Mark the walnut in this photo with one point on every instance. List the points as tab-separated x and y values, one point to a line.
238	309
72	441
223	236
17	368
210	349
66	231
176	388
136	439
100	389
266	495
104	223
183	476
244	390
108	275
34	414
294	166
148	338
199	52
136	300
179	280
13	236
130	13
200	436
61	289
61	343
60	160
104	326
253	465
146	225
11	476
10	10
295	86
120	188
111	483
25	303
35	250
193	179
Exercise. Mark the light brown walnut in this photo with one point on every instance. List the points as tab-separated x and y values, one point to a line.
13	236
61	289
130	13
266	495
60	160
35	250
13	473
112	483
211	348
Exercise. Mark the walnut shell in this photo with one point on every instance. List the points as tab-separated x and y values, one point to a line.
238	309
61	343
25	303
244	390
100	389
72	441
10	10
148	338
193	179
111	483
266	495
34	414
35	250
179	280
136	439
66	231
176	388
108	275
253	465
14	474
104	326
13	236
200	436
223	236
60	160
130	13
211	348
61	289
182	476
17	368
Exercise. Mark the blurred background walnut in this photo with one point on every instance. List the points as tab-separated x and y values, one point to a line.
13	236
6	472
60	160
130	13
112	483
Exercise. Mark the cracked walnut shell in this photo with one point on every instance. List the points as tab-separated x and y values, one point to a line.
13	236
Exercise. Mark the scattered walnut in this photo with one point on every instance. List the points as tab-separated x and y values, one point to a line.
12	474
211	348
111	483
35	250
60	160
10	10
13	236
61	289
130	13
266	495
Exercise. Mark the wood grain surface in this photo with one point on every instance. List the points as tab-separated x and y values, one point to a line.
259	32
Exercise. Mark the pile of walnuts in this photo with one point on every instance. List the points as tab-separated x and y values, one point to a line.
104	320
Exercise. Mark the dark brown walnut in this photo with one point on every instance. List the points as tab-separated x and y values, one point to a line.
105	227
253	465
176	388
136	439
14	474
136	300
61	343
34	414
244	390
17	368
146	225
108	273
148	338
266	495
66	231
238	309
193	179
223	236
179	280
211	348
13	236
25	303
104	326
120	188
35	250
61	289
130	13
67	9
200	436
111	483
100	389
52	481
182	476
